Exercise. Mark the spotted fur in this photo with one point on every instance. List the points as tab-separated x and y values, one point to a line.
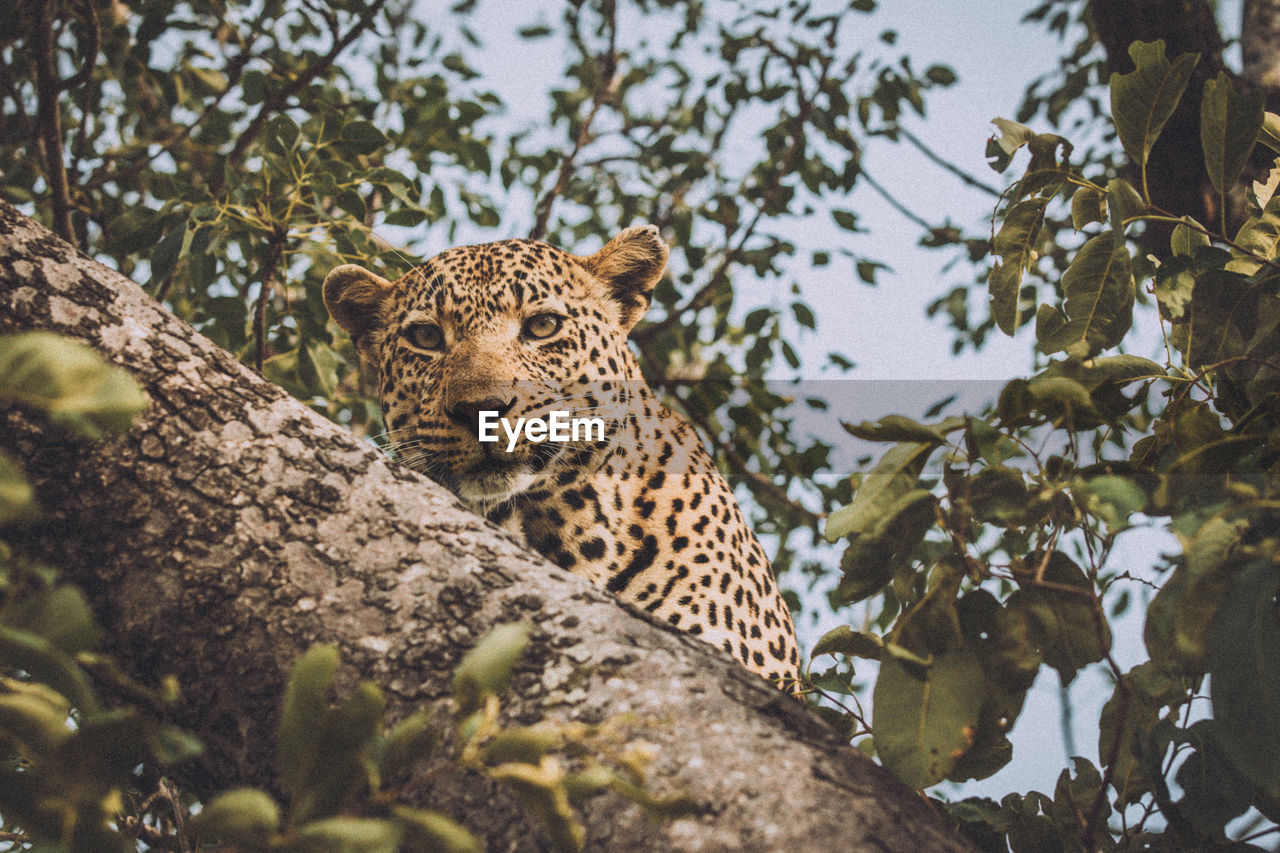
523	328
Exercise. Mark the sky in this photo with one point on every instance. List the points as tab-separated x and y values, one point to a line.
884	329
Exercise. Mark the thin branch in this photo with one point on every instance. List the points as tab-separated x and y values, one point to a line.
48	88
893	201
604	94
90	58
787	164
275	251
920	145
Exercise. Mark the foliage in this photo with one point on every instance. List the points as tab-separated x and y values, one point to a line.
986	538
230	153
68	758
344	775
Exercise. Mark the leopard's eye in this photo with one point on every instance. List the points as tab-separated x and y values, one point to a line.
543	325
425	336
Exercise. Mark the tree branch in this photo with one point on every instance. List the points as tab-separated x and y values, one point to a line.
49	122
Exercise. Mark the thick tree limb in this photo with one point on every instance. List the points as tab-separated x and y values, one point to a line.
232	528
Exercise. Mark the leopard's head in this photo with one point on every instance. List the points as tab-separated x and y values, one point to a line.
516	327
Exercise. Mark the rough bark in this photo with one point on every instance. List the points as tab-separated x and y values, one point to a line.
1260	45
232	527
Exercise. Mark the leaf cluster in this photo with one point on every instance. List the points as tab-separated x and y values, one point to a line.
985	539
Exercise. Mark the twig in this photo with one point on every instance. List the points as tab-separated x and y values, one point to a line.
90	58
275	250
787	164
942	162
49	121
604	94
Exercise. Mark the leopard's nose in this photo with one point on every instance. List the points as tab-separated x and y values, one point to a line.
467	413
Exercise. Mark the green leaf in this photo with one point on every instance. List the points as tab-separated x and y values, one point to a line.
69	381
17	497
892	477
1144	99
348	835
873	556
486	669
1229	127
350	201
59	614
1130	728
304	712
1015	243
44	662
33	722
1066	627
998	493
1087	207
1259	237
922	726
523	744
1244	667
1000	149
138	228
1113	499
843	640
1214	793
1124	205
1269	135
1099	299
896	428
413	740
845	219
241	816
432	832
1186	238
986	441
282	134
363	136
341	763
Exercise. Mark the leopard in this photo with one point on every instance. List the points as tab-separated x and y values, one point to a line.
518	328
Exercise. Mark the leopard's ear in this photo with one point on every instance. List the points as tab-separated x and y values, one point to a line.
357	299
630	265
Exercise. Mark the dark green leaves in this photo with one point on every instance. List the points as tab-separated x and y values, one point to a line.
1015	244
1229	126
1244	664
1098	308
1144	99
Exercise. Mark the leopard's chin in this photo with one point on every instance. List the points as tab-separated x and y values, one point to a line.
493	481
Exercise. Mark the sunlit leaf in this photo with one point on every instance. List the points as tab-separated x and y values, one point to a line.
922	726
242	816
486	669
69	381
